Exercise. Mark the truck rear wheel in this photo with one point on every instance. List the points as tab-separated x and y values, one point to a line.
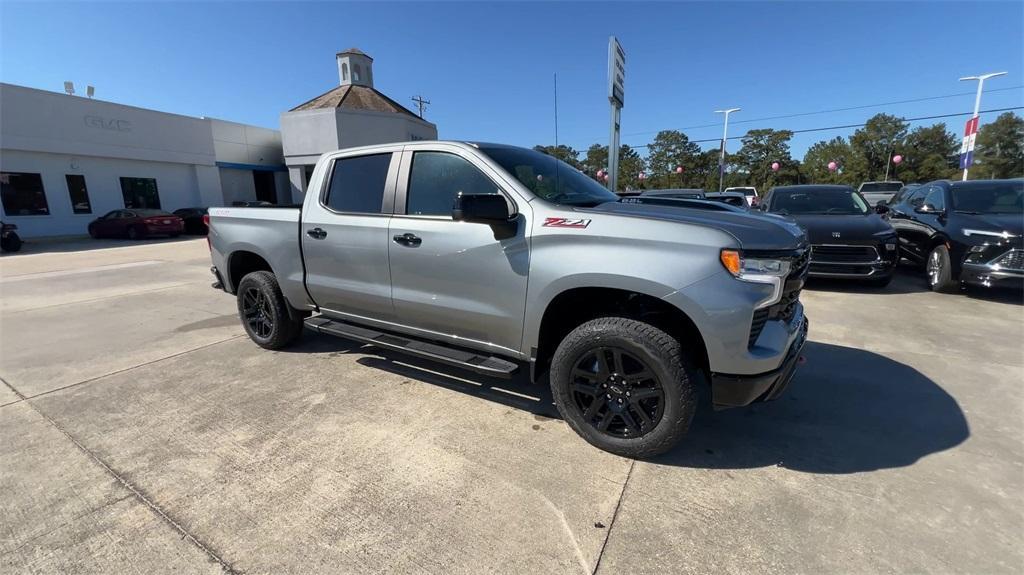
264	311
625	386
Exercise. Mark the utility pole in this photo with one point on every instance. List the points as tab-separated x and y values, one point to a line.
725	137
421	103
971	131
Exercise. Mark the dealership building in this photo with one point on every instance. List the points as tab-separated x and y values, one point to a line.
65	160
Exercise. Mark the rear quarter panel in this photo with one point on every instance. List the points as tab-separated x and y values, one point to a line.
272	234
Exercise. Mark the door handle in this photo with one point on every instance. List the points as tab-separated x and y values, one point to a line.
409	240
317	233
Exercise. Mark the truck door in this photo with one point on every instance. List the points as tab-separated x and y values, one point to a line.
455	281
344	234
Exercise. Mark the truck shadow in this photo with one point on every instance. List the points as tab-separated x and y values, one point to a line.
847	411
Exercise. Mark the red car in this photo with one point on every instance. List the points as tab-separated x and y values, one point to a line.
135	224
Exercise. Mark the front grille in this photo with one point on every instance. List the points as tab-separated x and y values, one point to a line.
844	269
1011	260
843	254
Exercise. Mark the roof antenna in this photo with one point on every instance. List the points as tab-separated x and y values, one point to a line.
421	103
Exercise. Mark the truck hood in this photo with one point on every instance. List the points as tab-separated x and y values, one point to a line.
753	230
822	228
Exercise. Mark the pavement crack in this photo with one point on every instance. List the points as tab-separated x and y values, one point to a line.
615	514
136	492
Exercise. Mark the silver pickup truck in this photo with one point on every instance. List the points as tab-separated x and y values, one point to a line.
492	258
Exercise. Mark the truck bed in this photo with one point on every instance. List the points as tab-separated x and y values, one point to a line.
271	233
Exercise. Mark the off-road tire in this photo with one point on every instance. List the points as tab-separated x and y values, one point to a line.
663	355
285	327
943	280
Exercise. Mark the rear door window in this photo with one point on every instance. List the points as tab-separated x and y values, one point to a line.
357	184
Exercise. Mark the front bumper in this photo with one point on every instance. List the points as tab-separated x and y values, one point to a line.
728	390
986	275
882	263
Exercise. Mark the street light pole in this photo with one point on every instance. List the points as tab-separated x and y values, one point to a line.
725	136
977	103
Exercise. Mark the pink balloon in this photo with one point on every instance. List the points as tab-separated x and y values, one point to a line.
605	177
897	159
679	169
600	173
832	166
642	176
775	166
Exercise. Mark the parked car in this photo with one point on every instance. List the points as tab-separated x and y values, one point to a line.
10	241
737	199
966	232
848	239
682	193
193	220
491	257
749	192
136	224
874	192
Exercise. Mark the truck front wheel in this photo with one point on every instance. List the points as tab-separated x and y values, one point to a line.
625	386
264	311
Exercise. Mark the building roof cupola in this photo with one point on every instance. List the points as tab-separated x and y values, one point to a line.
355	67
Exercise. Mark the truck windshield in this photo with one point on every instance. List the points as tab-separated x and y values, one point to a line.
549	178
818	201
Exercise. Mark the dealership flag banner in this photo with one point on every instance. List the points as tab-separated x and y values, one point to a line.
967	148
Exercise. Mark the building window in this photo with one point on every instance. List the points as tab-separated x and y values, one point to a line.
22	194
357	73
140	193
344	72
79	195
357	184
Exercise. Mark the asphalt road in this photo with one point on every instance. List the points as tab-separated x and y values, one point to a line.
142	432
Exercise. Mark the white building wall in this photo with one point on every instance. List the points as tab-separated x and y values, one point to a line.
177	185
238	186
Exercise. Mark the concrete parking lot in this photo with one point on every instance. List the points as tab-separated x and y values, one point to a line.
142	432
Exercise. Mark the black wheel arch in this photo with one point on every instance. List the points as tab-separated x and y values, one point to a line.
574	307
241	263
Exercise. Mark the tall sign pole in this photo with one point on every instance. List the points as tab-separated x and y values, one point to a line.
725	137
616	99
971	128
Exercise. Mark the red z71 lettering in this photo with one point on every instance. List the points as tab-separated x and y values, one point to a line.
565	223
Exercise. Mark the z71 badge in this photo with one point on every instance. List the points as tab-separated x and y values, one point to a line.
565	223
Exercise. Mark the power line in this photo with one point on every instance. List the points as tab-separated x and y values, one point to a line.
833	110
855	125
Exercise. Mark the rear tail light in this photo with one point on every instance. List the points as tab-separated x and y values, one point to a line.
206	222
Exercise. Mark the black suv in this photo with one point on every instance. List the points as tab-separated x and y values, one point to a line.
848	239
963	231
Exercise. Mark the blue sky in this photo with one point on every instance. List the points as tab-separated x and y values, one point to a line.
488	67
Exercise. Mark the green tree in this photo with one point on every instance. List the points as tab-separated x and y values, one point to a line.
929	153
815	165
596	159
630	166
999	150
670	149
565	153
872	145
760	149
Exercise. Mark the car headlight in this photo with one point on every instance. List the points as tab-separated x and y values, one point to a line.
769	271
988	233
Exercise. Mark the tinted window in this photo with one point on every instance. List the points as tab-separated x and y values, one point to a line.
935	199
79	195
549	178
140	193
357	184
881	187
916	197
22	194
436	178
818	201
995	198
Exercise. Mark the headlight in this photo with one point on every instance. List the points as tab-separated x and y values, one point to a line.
769	271
750	269
987	233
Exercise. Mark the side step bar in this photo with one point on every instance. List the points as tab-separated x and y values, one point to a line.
487	365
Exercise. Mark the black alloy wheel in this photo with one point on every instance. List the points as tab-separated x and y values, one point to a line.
256	314
616	392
